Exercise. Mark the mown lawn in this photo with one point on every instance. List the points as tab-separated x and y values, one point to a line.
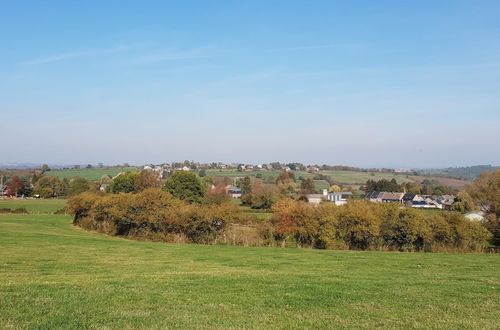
54	275
34	205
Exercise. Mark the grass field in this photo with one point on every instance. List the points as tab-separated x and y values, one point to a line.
353	177
34	205
90	173
57	276
344	177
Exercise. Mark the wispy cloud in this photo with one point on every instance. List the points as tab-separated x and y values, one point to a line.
315	47
164	55
77	54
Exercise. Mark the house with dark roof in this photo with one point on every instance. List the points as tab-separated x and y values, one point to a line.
391	197
234	192
384	197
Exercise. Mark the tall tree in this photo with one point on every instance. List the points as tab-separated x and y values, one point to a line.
147	179
245	185
285	177
125	183
15	186
45	168
186	186
307	186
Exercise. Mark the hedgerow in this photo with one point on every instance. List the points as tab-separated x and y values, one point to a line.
153	214
362	225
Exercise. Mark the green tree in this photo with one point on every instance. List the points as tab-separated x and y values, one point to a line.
125	183
186	186
202	173
463	203
45	168
245	184
486	192
78	185
49	186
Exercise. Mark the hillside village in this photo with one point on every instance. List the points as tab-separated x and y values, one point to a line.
278	181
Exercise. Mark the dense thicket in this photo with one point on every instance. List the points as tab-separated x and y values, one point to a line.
362	225
152	213
485	192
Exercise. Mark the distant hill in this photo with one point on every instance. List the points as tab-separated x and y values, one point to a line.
466	173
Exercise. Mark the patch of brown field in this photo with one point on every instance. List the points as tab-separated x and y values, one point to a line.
454	183
19	172
245	235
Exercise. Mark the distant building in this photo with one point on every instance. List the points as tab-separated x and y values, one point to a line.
374	196
234	192
384	197
312	169
315	198
339	197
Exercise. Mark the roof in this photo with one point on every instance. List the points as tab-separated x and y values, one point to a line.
373	194
408	197
315	196
392	196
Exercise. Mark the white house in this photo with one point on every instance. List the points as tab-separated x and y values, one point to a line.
339	197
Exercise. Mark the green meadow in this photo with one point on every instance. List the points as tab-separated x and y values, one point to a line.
344	177
55	275
90	173
34	205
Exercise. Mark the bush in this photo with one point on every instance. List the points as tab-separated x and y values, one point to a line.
362	225
151	214
19	210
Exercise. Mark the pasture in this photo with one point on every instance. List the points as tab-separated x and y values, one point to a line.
341	177
90	173
35	206
55	275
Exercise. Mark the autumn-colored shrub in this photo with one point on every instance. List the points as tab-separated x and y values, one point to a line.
363	225
152	214
17	210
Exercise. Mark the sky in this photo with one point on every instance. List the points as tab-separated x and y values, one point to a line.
410	84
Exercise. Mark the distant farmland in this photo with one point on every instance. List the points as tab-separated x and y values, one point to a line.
344	177
90	173
353	178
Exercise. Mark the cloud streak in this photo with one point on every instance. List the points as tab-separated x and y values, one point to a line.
314	47
166	57
77	54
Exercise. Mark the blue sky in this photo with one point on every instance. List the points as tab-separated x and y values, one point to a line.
362	83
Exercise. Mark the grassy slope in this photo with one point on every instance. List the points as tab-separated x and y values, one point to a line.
34	205
352	177
57	276
345	177
90	173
